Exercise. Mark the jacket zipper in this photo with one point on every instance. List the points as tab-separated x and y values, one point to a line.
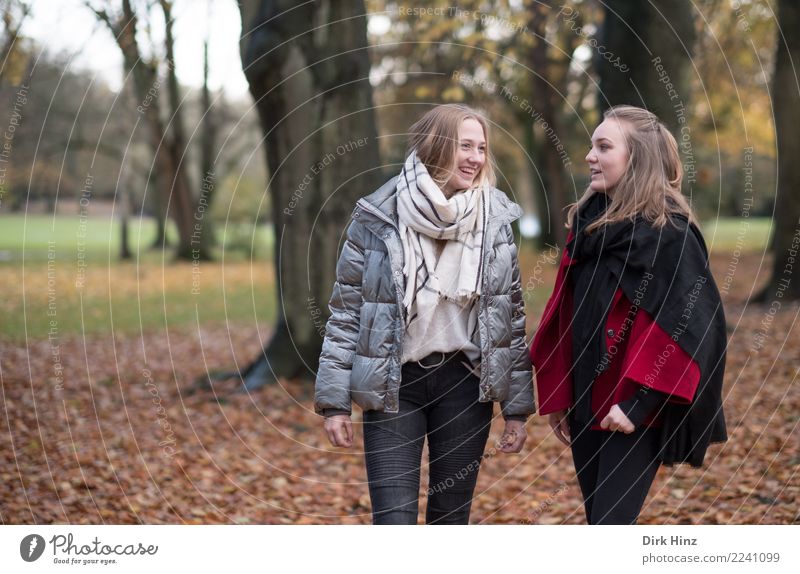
366	206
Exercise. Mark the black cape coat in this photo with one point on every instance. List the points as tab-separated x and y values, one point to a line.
665	272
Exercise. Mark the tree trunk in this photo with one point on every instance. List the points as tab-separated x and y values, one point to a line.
208	147
158	206
125	213
545	130
536	176
308	70
189	213
645	47
173	186
784	284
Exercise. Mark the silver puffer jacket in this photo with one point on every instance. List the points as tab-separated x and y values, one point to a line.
362	350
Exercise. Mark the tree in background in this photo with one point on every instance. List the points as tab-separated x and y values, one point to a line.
308	70
785	280
547	77
731	108
174	185
61	113
12	58
646	56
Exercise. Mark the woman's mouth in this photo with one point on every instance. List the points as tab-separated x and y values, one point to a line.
467	171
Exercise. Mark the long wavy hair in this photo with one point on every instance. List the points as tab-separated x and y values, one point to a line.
435	138
651	183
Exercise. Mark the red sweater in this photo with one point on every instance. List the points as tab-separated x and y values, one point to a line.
639	353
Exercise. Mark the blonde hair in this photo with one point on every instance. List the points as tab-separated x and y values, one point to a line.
651	183
435	139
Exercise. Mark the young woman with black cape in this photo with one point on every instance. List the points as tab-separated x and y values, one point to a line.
630	351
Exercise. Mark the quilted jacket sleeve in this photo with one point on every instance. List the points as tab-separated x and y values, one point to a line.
332	389
520	397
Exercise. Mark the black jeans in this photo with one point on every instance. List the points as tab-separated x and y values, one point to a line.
442	404
615	471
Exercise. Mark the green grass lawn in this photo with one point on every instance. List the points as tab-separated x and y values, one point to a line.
127	297
32	235
72	275
724	235
99	237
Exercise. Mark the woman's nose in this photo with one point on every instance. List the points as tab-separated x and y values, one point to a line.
590	157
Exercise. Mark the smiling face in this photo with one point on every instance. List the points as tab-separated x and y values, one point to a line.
608	156
470	157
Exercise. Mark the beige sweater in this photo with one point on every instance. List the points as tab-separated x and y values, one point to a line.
452	328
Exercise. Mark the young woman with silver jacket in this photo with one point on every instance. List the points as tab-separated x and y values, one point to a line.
427	326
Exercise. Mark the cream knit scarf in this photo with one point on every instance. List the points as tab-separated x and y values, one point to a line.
425	214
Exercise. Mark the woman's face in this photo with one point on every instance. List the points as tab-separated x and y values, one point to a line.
608	156
470	157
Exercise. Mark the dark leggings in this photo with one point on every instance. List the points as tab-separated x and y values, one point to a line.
442	404
615	471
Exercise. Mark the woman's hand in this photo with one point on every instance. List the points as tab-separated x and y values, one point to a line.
514	436
560	425
339	430
616	420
